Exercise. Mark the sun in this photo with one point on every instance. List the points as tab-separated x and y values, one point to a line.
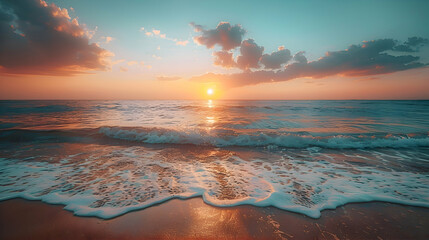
210	91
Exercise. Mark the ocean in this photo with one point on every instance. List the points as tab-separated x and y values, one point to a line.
107	158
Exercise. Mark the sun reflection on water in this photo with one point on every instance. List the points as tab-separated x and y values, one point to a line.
210	120
210	103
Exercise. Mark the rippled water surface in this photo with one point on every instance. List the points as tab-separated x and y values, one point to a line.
105	158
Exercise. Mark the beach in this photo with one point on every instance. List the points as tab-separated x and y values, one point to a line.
193	219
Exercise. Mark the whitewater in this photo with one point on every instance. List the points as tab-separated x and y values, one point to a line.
107	158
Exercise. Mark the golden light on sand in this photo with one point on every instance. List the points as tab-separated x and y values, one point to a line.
210	91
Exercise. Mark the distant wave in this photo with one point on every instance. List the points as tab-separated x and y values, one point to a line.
260	139
220	138
24	109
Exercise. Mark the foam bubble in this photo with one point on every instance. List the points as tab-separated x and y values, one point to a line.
108	182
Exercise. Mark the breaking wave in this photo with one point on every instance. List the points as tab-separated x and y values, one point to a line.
222	138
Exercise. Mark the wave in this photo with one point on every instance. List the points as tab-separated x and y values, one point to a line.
219	137
222	138
43	109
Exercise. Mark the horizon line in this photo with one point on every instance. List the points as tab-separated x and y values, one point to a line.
225	99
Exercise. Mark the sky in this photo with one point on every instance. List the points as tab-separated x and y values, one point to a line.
77	49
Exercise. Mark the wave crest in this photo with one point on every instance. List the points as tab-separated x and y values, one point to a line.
223	138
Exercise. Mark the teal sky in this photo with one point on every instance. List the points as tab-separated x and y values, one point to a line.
311	26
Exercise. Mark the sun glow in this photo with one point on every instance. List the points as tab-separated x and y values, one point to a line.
210	91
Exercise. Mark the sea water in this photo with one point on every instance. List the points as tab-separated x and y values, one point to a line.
106	158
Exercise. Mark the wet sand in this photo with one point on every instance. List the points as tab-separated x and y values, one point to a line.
193	219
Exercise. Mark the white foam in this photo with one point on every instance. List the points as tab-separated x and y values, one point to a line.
120	180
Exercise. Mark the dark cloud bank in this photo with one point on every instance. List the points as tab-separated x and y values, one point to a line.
369	58
37	38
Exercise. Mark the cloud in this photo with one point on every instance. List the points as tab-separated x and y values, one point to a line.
167	78
90	33
251	53
130	63
224	59
182	43
41	39
413	44
118	61
299	57
276	59
416	41
143	64
224	35
157	33
230	37
108	39
123	69
367	59
156	57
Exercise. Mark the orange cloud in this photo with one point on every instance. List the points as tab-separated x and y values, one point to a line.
109	39
182	43
167	78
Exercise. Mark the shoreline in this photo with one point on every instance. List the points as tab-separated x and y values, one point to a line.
194	219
